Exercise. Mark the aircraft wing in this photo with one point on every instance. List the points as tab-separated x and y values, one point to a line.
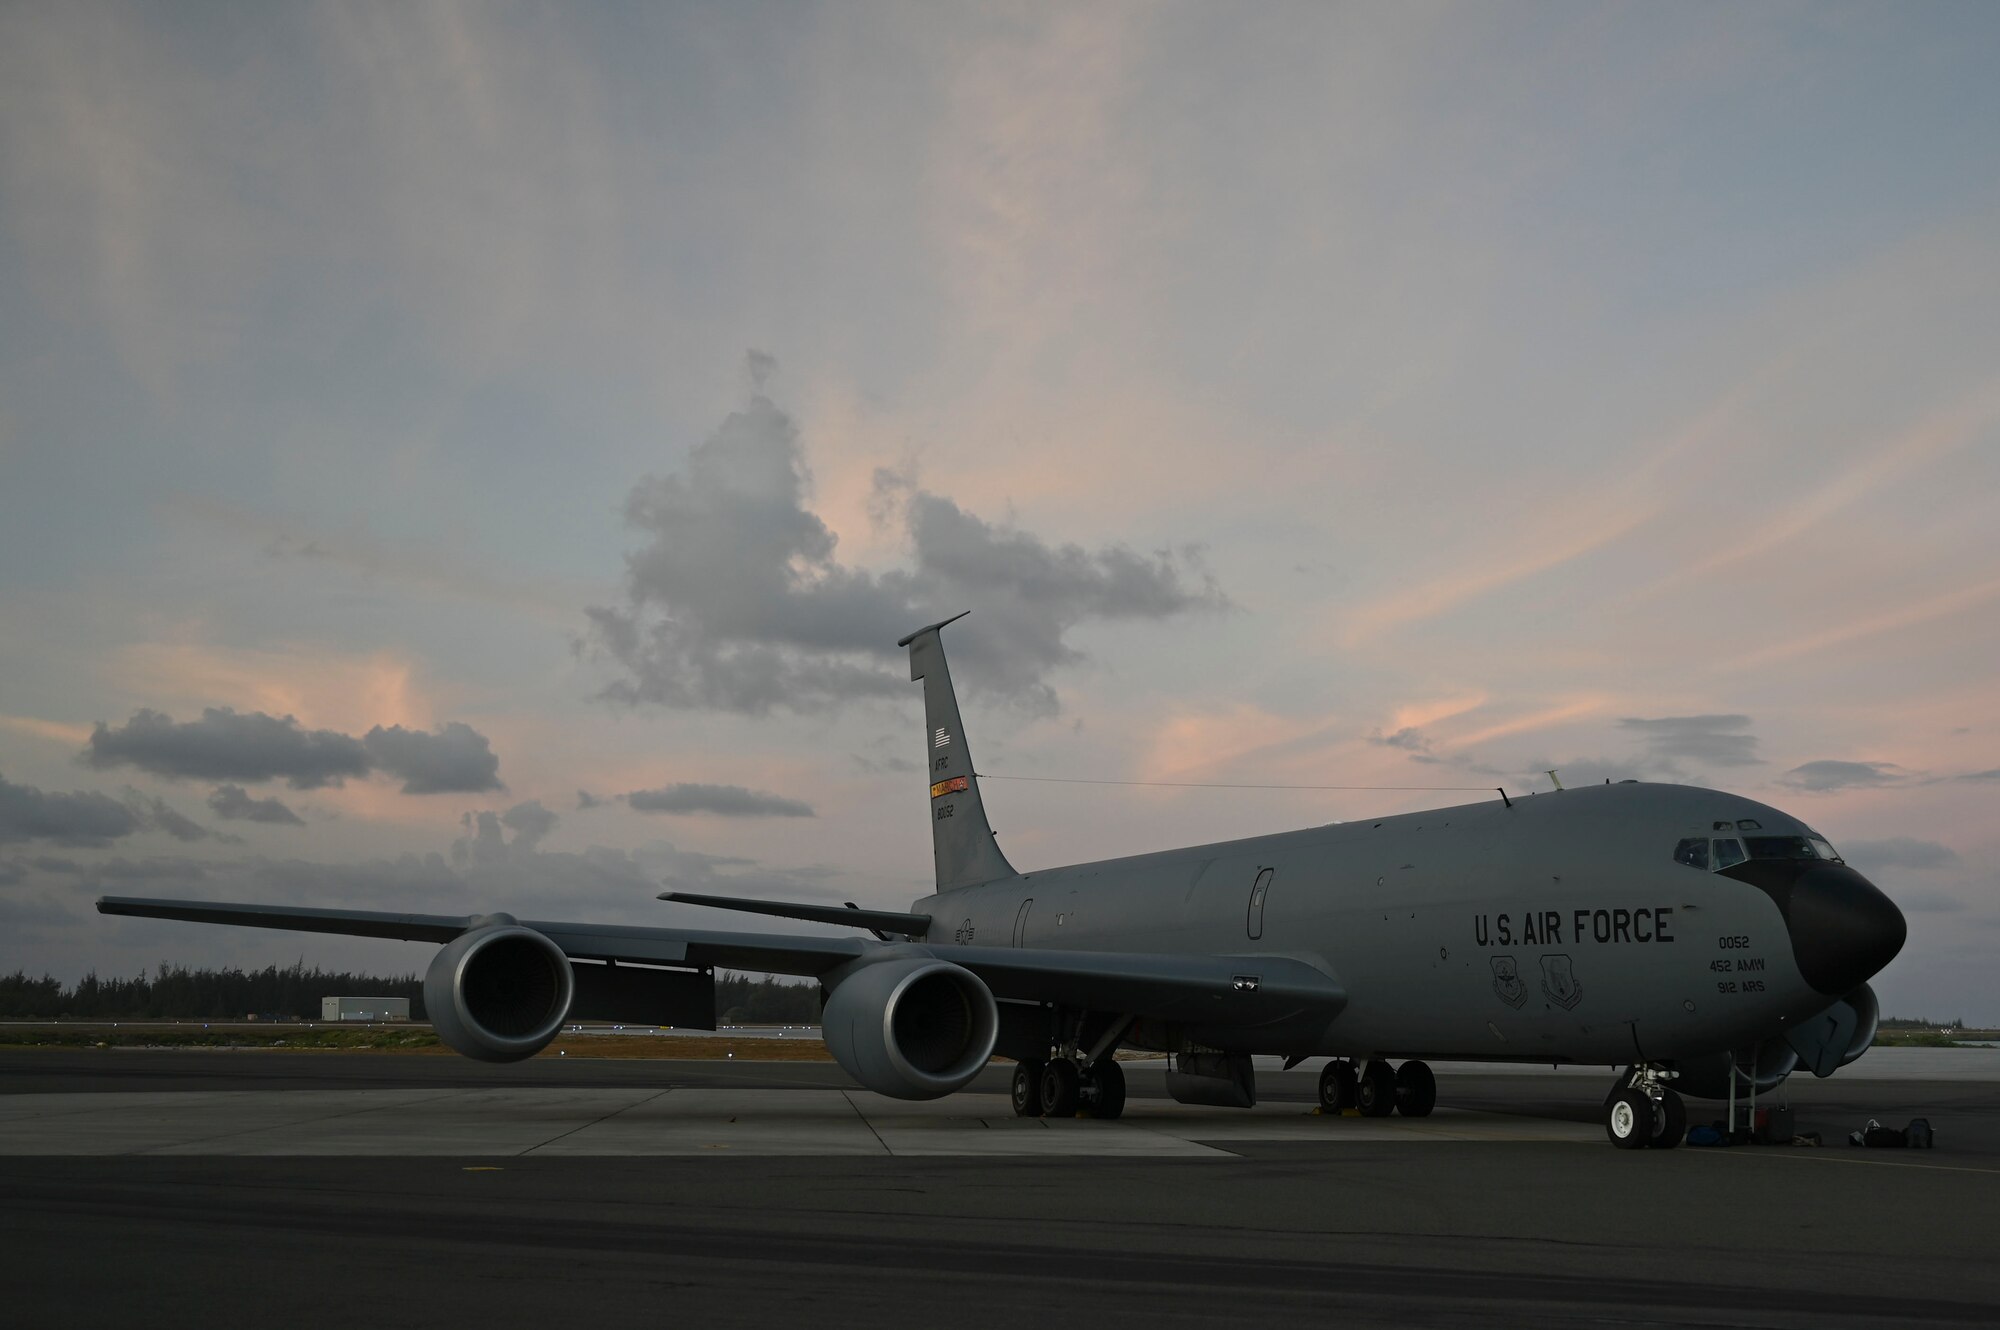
780	953
1247	990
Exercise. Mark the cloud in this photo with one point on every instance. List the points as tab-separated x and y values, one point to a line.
483	843
736	601
1981	777
227	745
1830	775
1410	739
1712	740
1898	852
586	800
486	862
233	803
876	766
721	800
529	822
425	882
1527	724
153	868
81	817
156	813
456	759
1907	614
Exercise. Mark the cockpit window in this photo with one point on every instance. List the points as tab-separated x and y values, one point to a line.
1748	824
1825	848
1693	852
1780	847
1728	853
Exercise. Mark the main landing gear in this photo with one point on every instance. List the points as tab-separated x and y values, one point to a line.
1642	1113
1059	1088
1378	1090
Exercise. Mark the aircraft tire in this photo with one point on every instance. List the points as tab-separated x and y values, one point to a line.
1375	1095
1629	1120
1336	1087
1673	1123
1416	1090
1108	1079
1028	1089
1059	1089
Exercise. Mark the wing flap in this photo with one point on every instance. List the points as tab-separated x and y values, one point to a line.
778	953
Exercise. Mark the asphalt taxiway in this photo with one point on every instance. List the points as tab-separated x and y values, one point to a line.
321	1189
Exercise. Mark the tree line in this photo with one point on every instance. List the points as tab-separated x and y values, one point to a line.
293	992
179	992
741	1000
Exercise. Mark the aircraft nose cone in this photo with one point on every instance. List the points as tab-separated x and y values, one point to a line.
1843	928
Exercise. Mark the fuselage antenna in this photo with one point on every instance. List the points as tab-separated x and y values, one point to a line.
1503	797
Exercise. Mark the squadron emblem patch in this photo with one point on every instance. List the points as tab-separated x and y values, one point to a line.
1559	982
1507	985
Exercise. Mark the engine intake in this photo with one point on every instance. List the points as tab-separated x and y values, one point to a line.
915	1028
1867	1020
499	993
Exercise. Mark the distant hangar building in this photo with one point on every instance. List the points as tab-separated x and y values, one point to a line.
364	1009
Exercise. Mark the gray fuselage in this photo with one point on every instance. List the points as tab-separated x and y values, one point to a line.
1560	929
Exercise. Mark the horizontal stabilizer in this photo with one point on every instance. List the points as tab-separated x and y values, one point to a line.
888	921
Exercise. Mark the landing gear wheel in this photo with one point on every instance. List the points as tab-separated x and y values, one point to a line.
1416	1090
1059	1089
1336	1087
1107	1079
1028	1089
1672	1122
1375	1095
1629	1120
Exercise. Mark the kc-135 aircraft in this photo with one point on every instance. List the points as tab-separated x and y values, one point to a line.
1701	941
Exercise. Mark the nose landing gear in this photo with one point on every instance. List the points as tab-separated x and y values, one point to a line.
1643	1113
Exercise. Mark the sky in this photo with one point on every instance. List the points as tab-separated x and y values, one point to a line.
481	456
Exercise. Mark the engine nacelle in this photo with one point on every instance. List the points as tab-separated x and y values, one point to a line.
1708	1077
499	992
1867	1020
914	1028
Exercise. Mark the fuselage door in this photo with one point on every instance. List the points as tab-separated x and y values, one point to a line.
1021	922
1253	921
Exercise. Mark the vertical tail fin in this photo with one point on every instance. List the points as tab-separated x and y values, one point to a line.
967	853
